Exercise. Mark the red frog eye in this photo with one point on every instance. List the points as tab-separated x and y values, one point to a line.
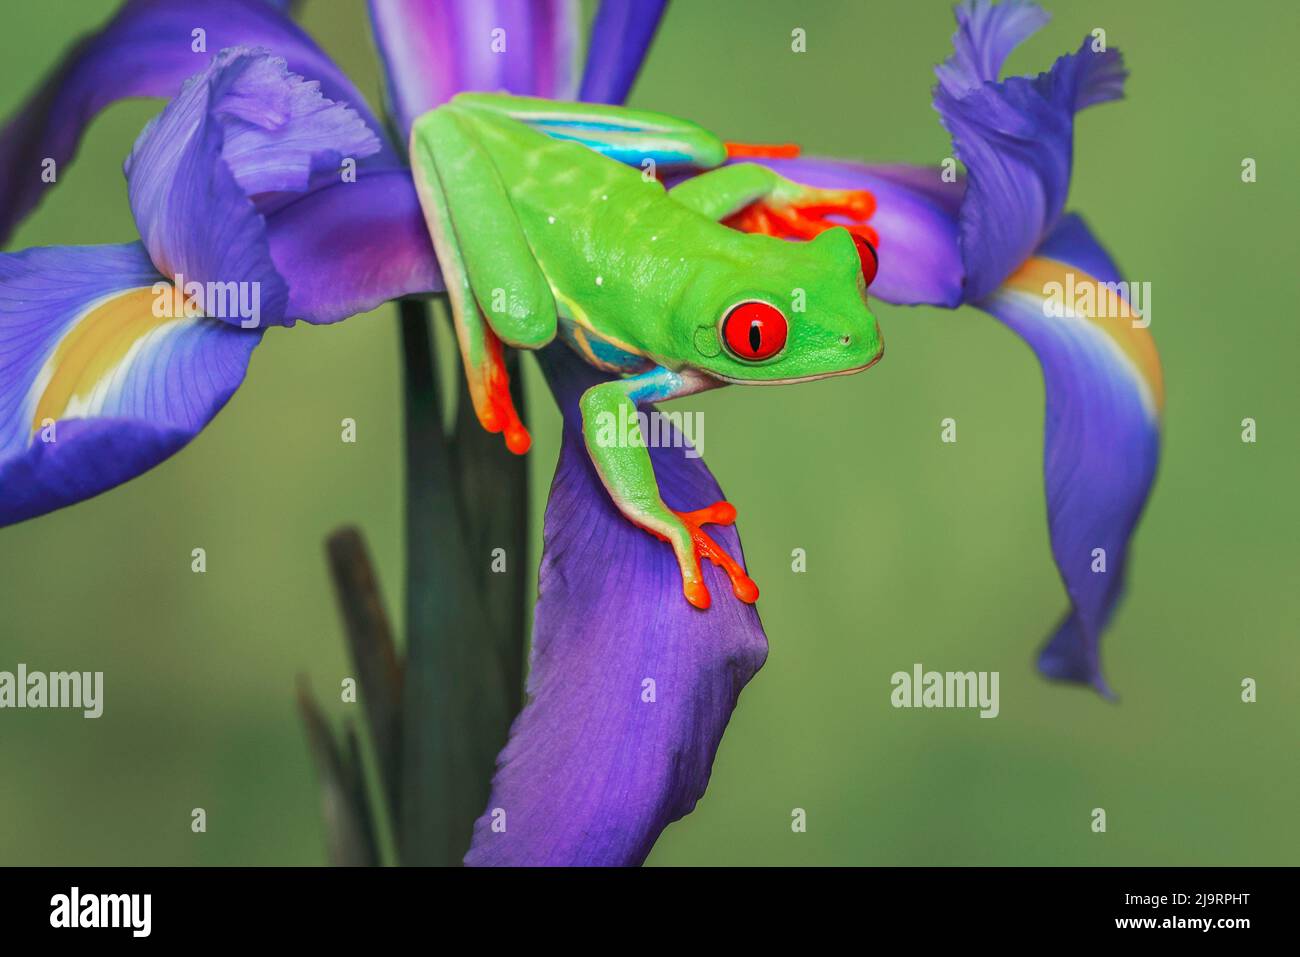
754	331
870	261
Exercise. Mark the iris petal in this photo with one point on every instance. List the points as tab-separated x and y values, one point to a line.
986	35
1016	137
1102	435
245	126
351	247
920	259
434	50
194	218
631	687
619	40
94	387
148	49
279	132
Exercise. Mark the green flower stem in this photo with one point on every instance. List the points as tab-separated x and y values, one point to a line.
455	703
438	717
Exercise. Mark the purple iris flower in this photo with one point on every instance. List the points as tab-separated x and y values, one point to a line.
115	356
238	181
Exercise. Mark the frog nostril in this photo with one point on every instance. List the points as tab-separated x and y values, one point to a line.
845	339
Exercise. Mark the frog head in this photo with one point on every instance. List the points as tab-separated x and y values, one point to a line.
766	311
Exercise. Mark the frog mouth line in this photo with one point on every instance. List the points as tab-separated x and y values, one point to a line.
803	378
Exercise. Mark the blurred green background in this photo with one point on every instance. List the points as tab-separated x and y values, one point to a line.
917	551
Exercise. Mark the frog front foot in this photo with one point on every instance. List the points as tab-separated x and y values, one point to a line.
697	544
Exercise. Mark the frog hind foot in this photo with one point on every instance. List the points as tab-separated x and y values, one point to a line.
805	215
761	150
703	546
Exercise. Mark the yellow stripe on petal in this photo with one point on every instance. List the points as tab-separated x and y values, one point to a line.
94	348
1039	274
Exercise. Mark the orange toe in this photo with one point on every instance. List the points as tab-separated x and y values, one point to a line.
762	150
498	412
697	593
719	513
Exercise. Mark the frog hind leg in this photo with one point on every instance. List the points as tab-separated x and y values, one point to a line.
624	467
496	289
756	199
629	136
623	134
500	265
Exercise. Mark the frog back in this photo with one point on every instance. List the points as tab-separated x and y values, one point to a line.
611	242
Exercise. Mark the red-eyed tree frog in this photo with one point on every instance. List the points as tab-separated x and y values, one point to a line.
549	217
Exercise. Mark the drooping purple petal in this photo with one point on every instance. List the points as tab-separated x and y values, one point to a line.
617	47
279	132
434	49
350	247
1102	434
148	49
986	35
104	371
194	218
1072	242
1016	137
920	259
242	131
95	386
631	687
